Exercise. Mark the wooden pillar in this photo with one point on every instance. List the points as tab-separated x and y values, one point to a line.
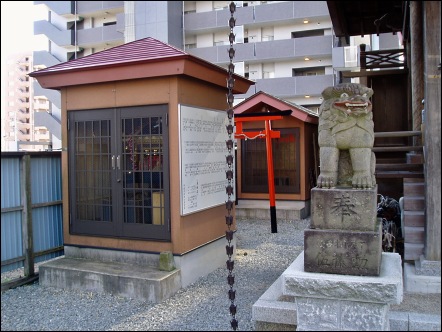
28	247
416	66
432	128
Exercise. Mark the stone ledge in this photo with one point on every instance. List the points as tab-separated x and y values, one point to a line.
415	283
271	300
127	280
424	322
426	267
270	309
385	288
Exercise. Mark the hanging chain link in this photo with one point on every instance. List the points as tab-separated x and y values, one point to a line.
229	172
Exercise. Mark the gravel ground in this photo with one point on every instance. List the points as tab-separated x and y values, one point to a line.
202	306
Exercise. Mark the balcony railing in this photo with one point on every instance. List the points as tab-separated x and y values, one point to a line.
382	59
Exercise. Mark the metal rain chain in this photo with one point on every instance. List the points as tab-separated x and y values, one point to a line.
229	172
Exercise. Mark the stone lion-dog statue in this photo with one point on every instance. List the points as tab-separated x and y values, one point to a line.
346	137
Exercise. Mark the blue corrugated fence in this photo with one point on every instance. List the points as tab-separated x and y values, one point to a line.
31	208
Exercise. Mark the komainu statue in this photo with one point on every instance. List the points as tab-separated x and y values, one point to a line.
346	137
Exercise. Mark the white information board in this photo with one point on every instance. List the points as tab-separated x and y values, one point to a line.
203	152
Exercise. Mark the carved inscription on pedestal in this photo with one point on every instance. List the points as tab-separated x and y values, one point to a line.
344	209
342	252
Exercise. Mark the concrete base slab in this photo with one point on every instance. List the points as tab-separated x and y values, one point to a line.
415	283
192	265
133	274
132	281
260	209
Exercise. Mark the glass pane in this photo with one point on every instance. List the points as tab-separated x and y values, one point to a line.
142	169
93	171
88	132
105	128
80	129
127	126
284	161
105	145
156	125
137	126
146	126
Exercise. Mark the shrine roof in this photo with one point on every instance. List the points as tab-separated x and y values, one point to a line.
147	57
261	101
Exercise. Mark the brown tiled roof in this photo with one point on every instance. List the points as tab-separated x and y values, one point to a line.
141	50
143	58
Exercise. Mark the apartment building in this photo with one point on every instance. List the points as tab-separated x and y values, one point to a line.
18	129
284	46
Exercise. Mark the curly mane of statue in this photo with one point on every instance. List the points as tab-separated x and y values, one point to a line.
346	137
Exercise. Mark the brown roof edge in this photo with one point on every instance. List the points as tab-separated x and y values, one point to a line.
183	65
142	58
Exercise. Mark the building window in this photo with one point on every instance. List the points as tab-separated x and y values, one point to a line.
308	71
307	33
109	23
189	46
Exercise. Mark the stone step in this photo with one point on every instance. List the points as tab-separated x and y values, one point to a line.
414	189
413	251
414	218
414	234
127	280
414	203
413	179
415	158
260	210
417	283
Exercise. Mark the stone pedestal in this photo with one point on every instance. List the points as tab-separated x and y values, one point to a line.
344	209
334	302
343	252
345	235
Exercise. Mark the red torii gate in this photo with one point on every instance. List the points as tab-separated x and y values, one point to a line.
268	133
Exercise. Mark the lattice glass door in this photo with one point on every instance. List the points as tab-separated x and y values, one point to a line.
119	172
90	154
144	167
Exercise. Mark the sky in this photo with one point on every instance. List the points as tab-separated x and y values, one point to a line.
17	19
